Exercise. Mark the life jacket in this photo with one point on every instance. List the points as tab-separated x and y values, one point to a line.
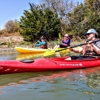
66	42
44	46
89	51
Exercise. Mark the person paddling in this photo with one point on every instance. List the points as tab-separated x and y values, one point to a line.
65	42
91	49
42	43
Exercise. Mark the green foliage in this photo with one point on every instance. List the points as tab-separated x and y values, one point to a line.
3	43
84	17
9	44
12	26
76	18
39	21
24	43
55	17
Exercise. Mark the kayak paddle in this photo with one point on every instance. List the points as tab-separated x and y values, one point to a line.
52	52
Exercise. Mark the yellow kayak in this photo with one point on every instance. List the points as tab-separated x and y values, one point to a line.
22	56
36	50
30	50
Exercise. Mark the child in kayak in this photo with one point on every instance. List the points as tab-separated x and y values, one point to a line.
91	49
42	43
65	42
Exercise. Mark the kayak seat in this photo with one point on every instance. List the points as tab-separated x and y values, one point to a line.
27	61
80	58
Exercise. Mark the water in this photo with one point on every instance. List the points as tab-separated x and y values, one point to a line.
81	84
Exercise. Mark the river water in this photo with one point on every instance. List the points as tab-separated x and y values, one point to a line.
81	84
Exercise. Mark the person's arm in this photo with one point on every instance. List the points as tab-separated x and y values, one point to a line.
76	50
40	43
66	43
96	47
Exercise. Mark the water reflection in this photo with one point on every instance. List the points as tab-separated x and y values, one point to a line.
62	82
28	56
93	80
80	84
90	75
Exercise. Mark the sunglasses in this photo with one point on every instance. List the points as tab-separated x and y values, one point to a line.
88	34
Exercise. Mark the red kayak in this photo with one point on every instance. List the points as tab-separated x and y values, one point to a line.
45	64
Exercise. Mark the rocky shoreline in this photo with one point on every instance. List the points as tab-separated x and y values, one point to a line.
8	43
4	51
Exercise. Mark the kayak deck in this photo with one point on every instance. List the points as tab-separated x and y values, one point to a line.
24	50
29	50
45	64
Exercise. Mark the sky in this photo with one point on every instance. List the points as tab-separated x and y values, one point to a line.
13	9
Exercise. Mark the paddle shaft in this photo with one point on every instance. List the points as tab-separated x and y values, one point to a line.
77	45
83	44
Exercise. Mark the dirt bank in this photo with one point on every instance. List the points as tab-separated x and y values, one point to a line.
10	41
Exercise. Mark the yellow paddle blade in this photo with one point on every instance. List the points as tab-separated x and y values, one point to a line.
60	37
49	53
52	52
65	51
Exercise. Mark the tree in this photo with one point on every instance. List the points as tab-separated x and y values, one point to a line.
12	26
93	14
76	20
61	7
93	4
84	17
39	21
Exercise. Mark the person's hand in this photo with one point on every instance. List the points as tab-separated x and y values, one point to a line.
64	44
38	41
71	49
90	43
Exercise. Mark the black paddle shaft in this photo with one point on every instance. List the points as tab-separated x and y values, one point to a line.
76	45
84	44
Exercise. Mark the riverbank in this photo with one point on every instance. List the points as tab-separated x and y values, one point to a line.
8	43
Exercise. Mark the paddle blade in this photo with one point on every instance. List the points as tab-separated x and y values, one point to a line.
60	37
49	53
65	51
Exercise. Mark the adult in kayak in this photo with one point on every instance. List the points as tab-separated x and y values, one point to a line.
65	42
42	43
91	49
